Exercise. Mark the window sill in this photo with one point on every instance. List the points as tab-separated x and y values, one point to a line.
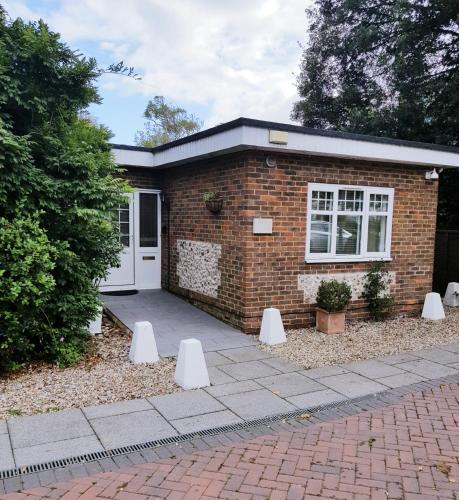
337	260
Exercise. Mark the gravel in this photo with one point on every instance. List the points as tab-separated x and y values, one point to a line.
104	376
364	340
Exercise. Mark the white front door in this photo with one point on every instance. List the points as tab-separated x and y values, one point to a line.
140	260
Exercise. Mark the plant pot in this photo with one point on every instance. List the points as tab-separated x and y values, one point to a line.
215	206
328	322
95	326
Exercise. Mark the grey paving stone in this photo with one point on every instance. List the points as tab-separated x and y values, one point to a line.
324	371
451	347
6	454
318	398
352	385
290	384
207	421
3	427
455	366
441	356
56	450
185	404
406	378
427	369
373	369
398	358
107	410
216	359
217	377
48	427
240	354
256	404
131	428
249	370
233	388
282	365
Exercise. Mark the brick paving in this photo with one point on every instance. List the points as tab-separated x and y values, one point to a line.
407	450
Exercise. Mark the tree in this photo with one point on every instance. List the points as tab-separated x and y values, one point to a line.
385	68
58	187
165	123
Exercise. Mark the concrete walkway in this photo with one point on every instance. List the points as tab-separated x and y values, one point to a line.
407	449
173	320
247	384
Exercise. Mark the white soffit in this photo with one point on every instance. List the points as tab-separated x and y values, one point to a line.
246	137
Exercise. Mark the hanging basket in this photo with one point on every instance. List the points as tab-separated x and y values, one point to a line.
215	206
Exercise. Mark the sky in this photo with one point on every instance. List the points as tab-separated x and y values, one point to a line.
219	59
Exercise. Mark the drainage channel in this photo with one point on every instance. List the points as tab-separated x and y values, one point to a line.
92	457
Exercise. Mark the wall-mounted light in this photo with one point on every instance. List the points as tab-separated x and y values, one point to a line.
163	198
432	176
270	161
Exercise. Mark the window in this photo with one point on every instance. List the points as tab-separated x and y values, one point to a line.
148	220
348	223
121	220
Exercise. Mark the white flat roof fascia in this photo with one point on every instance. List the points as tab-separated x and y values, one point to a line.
132	158
246	137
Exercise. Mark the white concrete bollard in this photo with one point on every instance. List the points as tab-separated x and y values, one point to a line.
433	308
191	371
95	325
143	345
272	329
451	297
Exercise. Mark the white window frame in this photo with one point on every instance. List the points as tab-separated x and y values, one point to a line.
364	255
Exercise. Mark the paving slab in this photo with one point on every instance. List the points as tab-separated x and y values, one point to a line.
251	353
352	385
324	371
6	454
406	378
118	408
132	428
398	358
256	404
312	399
47	428
185	404
427	369
249	370
373	369
215	359
282	365
3	427
451	347
441	356
290	384
233	388
207	421
217	377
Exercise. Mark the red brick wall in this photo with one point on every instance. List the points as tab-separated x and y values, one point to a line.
259	271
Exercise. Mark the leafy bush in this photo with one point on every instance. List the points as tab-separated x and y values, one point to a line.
333	295
55	165
211	196
376	291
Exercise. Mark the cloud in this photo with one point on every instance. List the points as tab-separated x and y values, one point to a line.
233	58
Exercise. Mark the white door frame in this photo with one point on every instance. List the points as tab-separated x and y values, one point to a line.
141	256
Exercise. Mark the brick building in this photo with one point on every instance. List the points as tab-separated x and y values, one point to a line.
298	205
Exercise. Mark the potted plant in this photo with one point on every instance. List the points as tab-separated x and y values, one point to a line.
213	201
332	299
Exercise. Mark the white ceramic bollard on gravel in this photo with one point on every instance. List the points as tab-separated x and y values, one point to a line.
191	371
272	329
433	308
451	297
143	345
95	326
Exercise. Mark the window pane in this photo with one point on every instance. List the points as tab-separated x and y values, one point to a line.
348	234
350	200
148	220
121	222
379	202
320	240
377	233
322	200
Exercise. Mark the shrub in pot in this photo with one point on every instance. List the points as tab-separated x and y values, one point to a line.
332	299
213	202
